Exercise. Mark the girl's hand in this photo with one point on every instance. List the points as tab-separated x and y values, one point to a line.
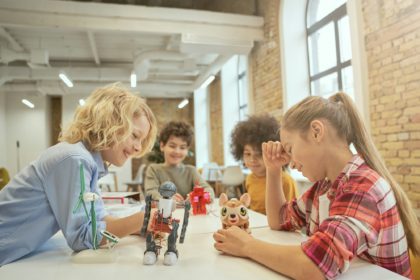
232	241
274	156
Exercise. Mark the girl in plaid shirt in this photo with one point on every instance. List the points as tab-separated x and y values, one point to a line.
354	209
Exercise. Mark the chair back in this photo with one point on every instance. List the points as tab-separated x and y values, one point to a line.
232	176
4	177
140	173
211	172
415	265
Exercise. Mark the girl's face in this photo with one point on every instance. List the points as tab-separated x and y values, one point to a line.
119	153
175	150
254	161
306	154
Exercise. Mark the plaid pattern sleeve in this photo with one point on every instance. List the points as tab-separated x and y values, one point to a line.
362	221
294	213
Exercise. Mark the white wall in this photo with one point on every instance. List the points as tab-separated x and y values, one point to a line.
201	127
359	60
230	106
3	134
294	61
69	105
293	50
28	126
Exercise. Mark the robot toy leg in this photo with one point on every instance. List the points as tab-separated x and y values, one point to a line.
185	222
151	253
146	215
171	255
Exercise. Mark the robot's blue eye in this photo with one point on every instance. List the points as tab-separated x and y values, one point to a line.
223	211
243	211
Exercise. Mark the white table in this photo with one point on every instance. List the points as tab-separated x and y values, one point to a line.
198	259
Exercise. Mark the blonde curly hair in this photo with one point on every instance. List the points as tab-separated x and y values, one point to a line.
106	119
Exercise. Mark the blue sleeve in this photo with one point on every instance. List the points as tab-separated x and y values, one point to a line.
62	188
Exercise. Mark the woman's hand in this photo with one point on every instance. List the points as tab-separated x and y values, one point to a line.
274	156
232	241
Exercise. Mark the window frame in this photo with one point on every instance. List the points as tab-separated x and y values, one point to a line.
243	110
335	16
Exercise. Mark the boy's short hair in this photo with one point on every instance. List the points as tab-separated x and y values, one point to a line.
179	129
106	119
253	131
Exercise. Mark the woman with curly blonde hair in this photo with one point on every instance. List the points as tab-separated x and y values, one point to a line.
113	126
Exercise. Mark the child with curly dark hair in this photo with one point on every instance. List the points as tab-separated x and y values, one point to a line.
246	140
175	140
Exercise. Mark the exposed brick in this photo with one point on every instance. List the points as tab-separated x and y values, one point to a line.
412	179
392	32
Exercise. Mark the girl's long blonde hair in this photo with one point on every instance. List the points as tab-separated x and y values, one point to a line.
106	119
340	111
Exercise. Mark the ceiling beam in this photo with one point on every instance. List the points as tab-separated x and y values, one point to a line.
116	11
213	69
93	47
147	90
15	44
88	75
111	17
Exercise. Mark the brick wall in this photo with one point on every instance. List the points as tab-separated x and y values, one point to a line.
216	124
393	52
165	110
265	63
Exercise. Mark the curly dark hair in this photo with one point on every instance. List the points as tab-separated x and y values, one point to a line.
179	129
253	131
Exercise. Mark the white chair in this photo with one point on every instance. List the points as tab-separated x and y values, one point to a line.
211	172
232	181
137	184
109	181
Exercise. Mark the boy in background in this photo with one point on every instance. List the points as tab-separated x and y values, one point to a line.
175	140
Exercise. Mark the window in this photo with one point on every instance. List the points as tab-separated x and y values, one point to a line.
234	85
329	48
201	127
242	87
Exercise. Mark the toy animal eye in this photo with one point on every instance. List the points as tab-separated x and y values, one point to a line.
223	211
243	211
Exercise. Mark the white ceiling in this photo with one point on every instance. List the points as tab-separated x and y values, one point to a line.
172	51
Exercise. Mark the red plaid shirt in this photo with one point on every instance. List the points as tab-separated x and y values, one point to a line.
356	215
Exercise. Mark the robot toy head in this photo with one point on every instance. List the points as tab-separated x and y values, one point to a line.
167	189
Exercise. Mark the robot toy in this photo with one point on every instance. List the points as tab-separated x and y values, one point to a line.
199	199
163	224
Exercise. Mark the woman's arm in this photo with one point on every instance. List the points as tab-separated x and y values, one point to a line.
274	158
288	260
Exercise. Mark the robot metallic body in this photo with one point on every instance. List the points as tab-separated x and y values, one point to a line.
162	222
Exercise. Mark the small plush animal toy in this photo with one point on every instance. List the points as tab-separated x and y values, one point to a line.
235	212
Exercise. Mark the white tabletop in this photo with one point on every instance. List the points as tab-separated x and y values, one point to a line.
198	259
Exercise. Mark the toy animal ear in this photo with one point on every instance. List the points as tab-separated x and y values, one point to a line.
245	199
222	199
